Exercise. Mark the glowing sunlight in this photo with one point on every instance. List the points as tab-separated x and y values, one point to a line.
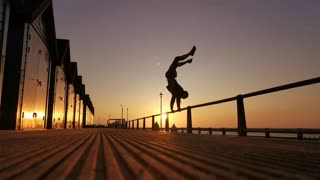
164	116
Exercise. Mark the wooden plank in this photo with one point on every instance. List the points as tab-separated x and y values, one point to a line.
67	166
130	161
112	165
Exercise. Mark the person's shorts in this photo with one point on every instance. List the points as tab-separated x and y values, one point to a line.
176	90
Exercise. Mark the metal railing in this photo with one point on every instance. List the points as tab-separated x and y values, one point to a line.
116	123
242	129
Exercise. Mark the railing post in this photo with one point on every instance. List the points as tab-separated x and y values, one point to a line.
137	124
242	126
223	131
152	123
189	120
299	134
167	123
144	123
132	124
267	133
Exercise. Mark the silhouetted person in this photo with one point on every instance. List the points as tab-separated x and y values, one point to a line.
174	128
174	88
155	127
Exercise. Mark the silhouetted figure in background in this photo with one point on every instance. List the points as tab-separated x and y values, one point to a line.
174	88
174	128
155	127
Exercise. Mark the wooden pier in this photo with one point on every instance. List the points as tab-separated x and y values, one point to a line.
132	154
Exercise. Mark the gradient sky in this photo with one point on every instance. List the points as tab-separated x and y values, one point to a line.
124	47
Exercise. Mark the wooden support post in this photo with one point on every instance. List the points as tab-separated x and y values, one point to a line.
137	124
299	134
144	123
267	132
128	125
189	120
132	124
242	126
167	123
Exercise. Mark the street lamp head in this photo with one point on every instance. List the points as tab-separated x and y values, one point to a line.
161	94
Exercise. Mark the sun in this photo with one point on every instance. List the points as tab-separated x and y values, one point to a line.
164	116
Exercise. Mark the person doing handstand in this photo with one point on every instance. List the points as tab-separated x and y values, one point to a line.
174	88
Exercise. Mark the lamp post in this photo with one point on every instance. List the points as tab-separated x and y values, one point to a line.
108	120
160	109
121	113
127	117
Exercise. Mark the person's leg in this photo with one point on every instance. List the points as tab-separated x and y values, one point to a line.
193	50
172	102
181	58
185	56
185	62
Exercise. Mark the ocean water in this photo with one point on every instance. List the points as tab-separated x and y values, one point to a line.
262	134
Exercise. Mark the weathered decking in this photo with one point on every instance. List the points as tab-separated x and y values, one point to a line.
130	154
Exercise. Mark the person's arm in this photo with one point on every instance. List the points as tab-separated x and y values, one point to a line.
178	103
172	102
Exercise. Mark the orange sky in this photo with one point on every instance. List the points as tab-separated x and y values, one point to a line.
123	49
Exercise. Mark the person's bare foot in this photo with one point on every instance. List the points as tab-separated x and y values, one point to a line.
193	50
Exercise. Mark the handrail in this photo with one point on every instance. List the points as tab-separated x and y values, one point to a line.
242	129
283	87
256	93
214	102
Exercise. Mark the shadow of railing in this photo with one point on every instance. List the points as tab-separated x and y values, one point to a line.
242	129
